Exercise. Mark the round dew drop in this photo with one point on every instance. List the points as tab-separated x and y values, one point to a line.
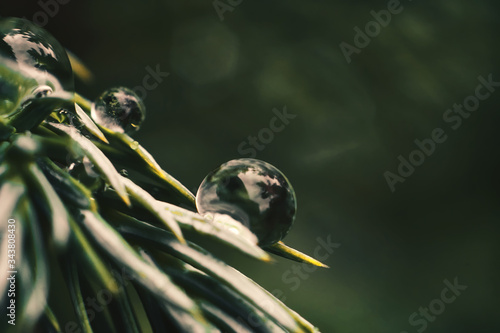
120	110
253	192
33	64
35	52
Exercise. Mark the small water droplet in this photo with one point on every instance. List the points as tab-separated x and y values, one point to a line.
120	110
253	192
134	145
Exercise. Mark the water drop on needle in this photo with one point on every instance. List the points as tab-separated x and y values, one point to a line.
120	110
253	192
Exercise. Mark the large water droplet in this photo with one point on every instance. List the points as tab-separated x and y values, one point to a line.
120	110
30	57
253	192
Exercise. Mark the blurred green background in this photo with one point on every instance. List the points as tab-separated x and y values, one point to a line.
352	122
